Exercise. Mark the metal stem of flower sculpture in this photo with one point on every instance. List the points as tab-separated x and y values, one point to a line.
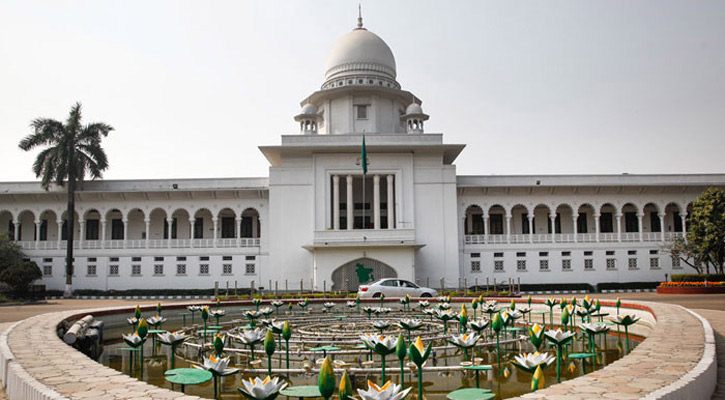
418	354
559	339
401	352
286	335
269	348
326	379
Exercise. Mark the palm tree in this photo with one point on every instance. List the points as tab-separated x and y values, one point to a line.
71	151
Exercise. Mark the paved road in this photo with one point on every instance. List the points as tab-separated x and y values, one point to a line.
712	307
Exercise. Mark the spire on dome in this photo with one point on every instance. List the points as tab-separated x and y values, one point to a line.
359	16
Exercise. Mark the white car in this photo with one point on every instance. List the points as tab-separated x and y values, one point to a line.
393	287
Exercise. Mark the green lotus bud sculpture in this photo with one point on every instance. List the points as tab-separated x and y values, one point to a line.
496	325
269	347
512	305
536	334
462	319
537	381
474	306
219	344
565	317
345	392
158	308
286	335
326	379
137	312
401	352
418	354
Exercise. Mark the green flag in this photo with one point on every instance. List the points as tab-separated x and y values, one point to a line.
364	155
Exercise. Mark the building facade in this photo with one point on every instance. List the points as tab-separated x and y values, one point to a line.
319	222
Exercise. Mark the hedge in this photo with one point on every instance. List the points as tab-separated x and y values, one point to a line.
698	277
627	285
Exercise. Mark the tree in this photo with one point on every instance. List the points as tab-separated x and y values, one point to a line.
71	151
682	249
10	253
20	276
706	233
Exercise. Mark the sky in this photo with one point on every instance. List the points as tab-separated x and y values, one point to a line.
193	88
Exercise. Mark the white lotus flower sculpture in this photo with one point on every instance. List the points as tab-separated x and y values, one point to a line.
133	339
266	310
217	365
479	325
172	338
258	389
530	361
352	303
423	304
464	341
389	391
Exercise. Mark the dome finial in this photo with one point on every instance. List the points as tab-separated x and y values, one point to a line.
359	16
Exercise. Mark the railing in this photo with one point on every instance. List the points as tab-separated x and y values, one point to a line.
570	238
138	244
608	237
586	237
564	238
343	236
475	239
630	236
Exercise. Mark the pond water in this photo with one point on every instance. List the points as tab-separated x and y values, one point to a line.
341	327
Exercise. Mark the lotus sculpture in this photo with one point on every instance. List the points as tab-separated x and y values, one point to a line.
464	341
389	391
381	345
625	321
172	339
419	354
258	389
559	339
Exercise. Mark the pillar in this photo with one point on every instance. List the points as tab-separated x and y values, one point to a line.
639	225
350	204
59	223
531	227
336	202
125	232
82	235
596	225
662	226
391	205
148	231
683	216
619	226
552	217
376	201
574	218
37	232
485	227
103	233
238	229
215	220
507	228
169	223
191	232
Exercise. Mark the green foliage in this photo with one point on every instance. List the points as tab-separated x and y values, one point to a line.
627	285
10	252
698	277
706	234
20	276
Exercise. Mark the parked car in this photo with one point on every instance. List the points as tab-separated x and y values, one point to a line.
393	287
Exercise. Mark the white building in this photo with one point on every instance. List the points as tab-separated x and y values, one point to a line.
317	222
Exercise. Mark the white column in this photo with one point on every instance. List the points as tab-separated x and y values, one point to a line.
619	227
639	225
376	201
683	217
60	231
391	206
191	232
37	233
574	218
531	227
125	233
214	221
662	226
485	227
336	202
508	229
552	217
148	231
82	235
169	223
350	204
103	233
596	225
238	229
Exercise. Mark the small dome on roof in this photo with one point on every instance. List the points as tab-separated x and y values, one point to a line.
309	109
414	108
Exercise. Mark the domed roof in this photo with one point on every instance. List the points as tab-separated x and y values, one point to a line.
414	108
360	51
308	109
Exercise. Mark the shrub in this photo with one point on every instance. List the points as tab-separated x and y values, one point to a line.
20	276
698	277
627	285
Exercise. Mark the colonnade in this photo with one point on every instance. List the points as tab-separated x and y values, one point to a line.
349	201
